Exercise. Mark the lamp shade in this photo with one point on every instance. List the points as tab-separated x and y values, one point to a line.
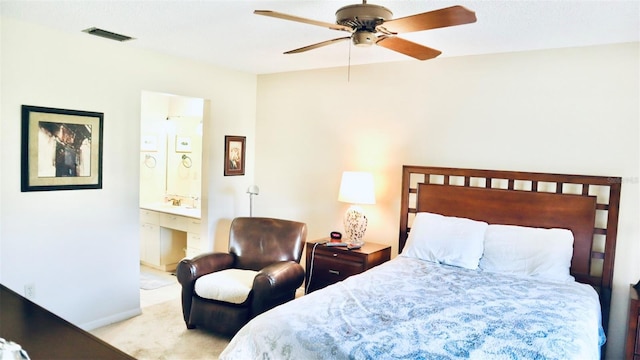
357	188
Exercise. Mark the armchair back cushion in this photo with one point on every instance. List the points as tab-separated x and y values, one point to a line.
258	242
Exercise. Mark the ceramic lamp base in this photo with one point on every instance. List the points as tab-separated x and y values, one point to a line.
355	225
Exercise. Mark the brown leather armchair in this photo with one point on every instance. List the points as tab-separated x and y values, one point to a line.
272	247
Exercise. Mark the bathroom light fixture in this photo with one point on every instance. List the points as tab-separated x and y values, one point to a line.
252	190
356	188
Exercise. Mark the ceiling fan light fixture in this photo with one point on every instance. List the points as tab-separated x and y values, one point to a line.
364	38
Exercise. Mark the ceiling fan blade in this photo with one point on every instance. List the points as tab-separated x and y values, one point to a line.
315	46
408	48
302	20
451	16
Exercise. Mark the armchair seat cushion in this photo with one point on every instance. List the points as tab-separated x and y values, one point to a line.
230	285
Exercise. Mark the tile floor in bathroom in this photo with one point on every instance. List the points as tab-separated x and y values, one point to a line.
162	294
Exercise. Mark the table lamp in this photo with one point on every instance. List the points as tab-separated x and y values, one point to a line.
356	188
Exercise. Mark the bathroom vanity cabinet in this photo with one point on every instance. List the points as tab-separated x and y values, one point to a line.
166	238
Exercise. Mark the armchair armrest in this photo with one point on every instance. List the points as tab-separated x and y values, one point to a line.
189	270
275	284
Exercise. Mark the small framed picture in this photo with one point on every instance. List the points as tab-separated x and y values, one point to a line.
234	150
61	149
183	144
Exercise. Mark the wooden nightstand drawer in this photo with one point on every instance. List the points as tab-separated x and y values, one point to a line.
339	255
328	265
336	269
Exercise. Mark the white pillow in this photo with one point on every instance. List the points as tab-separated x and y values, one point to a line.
446	240
537	252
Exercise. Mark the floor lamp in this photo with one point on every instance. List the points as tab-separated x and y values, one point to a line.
252	190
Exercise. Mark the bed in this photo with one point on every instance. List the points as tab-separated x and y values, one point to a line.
491	265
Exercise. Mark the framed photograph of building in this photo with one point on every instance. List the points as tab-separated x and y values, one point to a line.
61	149
234	150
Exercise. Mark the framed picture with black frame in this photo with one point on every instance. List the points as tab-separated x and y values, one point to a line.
61	149
234	150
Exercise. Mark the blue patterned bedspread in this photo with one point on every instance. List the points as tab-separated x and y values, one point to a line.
413	309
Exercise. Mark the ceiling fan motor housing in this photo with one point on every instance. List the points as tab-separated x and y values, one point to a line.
363	18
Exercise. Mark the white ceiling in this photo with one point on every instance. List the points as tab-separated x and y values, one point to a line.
227	33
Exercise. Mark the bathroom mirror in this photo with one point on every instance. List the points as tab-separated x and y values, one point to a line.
170	149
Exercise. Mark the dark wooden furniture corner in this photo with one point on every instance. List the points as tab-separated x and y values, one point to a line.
44	335
633	333
328	265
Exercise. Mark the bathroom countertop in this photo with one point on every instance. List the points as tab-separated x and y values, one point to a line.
175	210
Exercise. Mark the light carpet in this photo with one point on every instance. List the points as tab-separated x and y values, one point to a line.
160	334
149	281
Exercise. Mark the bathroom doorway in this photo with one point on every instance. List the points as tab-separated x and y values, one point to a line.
171	216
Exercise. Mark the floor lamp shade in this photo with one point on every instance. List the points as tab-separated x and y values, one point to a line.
356	188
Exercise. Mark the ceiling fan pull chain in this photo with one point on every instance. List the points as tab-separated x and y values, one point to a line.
349	63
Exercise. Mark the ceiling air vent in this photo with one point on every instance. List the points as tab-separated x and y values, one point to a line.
107	34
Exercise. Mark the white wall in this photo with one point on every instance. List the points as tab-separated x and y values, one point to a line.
569	111
80	248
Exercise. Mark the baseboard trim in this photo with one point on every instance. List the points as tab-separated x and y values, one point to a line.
92	325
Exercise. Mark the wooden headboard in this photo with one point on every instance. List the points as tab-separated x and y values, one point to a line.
587	205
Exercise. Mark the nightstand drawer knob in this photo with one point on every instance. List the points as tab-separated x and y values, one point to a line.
335	255
334	272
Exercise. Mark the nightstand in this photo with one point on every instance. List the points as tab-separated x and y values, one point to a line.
633	333
333	264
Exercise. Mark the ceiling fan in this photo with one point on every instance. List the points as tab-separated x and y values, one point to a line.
370	24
